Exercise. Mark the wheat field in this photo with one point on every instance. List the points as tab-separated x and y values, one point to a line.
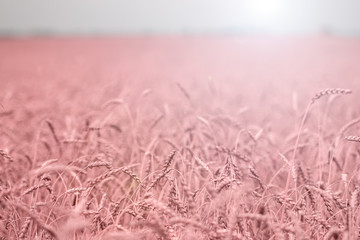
179	138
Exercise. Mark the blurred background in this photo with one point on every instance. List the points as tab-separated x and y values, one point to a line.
271	50
233	53
92	17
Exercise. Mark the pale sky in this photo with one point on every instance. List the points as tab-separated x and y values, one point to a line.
179	16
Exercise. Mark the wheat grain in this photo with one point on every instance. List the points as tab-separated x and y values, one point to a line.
24	228
99	164
168	161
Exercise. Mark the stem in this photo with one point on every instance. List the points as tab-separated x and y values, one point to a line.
292	160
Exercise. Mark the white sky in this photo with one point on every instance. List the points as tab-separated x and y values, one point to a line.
179	16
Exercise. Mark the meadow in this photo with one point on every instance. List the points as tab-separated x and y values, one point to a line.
179	138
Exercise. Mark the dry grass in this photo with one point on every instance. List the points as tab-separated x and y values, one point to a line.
179	163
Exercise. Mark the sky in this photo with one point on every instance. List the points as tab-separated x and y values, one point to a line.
341	17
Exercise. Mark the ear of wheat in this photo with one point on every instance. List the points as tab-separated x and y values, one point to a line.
6	156
353	138
330	91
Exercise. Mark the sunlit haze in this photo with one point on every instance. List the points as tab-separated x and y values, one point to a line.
186	16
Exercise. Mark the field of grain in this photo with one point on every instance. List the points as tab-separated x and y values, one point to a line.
180	138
